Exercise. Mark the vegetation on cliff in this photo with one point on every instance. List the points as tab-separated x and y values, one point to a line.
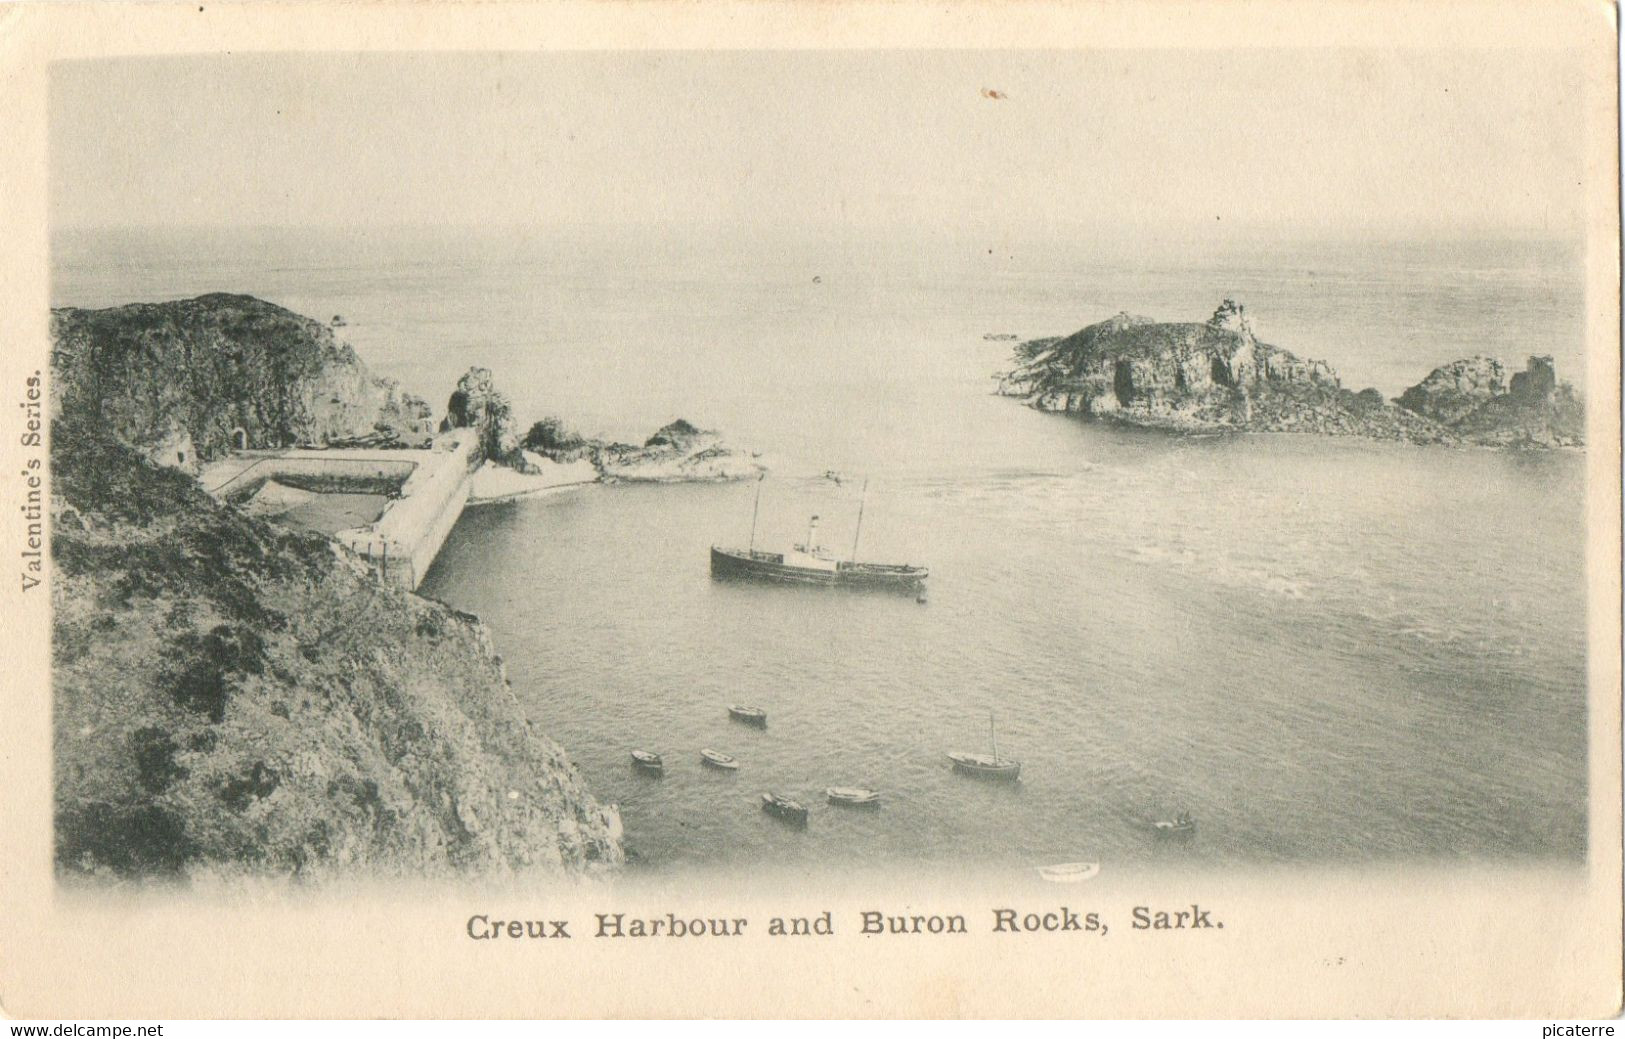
232	697
181	377
1217	375
551	438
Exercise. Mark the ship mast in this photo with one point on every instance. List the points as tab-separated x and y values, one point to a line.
755	510
859	531
993	736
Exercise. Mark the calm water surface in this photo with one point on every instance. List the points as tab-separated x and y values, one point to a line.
1325	650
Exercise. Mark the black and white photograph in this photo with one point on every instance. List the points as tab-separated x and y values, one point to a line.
1067	470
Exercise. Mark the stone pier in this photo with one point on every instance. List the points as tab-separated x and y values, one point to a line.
429	489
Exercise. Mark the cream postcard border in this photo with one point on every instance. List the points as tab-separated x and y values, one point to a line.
1436	941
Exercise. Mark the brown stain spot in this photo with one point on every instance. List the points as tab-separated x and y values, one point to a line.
994	95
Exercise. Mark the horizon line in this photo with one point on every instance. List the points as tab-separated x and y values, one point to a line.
1028	233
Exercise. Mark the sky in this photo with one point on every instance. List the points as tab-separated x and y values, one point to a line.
1339	142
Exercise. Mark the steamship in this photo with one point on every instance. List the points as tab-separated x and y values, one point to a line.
808	563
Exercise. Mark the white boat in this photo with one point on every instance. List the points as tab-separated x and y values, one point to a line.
853	796
648	761
1180	828
1069	872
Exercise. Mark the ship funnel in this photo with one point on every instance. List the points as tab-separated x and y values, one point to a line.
812	536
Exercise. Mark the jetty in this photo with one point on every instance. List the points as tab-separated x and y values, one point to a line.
424	490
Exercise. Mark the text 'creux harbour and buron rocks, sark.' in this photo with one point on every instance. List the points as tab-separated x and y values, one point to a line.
865	923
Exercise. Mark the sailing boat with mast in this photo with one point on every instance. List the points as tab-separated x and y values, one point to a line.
809	563
987	766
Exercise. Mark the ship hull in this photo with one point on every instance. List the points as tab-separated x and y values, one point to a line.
792	812
742	565
983	766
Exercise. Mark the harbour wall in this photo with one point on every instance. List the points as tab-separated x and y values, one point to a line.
316	473
402	543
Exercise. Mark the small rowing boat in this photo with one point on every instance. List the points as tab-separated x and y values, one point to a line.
788	809
717	759
1181	827
853	797
647	761
1069	872
749	715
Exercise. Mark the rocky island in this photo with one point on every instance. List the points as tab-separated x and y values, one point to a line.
236	697
1218	376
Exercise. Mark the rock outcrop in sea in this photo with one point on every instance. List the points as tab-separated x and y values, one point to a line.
477	404
1217	375
235	698
1475	400
188	380
551	456
677	452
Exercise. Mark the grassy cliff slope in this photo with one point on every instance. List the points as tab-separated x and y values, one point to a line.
234	697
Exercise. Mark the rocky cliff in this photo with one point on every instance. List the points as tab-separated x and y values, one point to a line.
477	404
1476	401
1217	375
177	379
233	697
677	452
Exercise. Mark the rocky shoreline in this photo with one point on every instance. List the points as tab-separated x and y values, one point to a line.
234	698
551	456
189	380
1216	376
678	452
237	698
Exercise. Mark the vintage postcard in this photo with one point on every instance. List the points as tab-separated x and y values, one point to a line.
816	510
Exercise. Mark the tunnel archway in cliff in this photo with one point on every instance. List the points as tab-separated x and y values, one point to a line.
1123	382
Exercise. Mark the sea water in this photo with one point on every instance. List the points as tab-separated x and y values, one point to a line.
1326	650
